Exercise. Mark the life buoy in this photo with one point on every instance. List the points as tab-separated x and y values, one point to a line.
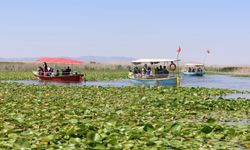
172	67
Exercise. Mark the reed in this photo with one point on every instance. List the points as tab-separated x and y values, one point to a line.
23	71
29	66
243	71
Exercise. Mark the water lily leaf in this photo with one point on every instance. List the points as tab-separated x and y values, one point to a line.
211	120
92	136
206	129
100	147
75	140
148	127
47	139
21	143
73	121
12	135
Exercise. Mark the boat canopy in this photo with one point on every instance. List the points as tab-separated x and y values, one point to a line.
152	61
195	65
59	60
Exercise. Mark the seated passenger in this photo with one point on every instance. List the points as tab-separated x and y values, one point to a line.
136	70
40	70
67	71
130	73
50	69
143	71
157	70
160	70
148	72
57	73
165	71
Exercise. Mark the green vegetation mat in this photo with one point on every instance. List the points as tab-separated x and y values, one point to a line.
57	117
16	75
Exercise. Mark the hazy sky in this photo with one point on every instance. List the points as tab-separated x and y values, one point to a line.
133	28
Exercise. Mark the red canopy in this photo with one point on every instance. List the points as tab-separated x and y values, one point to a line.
59	60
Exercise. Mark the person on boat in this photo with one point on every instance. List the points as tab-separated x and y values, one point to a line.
157	70
45	67
199	70
56	73
189	69
68	71
145	68
130	73
165	71
160	70
143	71
193	70
40	70
136	70
49	71
148	72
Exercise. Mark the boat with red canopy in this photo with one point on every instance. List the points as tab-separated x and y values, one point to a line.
56	76
60	78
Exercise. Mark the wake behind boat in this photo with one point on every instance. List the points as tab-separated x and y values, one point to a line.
154	72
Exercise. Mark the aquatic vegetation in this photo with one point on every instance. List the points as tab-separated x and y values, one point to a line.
16	75
100	75
43	117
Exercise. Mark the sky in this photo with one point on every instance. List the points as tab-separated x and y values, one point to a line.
129	28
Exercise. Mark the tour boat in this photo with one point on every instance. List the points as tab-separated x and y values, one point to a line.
152	75
192	69
60	78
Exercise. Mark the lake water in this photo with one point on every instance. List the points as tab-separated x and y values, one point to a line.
210	81
218	81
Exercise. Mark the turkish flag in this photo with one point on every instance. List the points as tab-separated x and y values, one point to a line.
178	49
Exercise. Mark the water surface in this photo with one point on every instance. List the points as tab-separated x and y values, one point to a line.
209	81
218	81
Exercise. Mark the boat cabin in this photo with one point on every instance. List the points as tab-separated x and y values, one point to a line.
154	72
153	68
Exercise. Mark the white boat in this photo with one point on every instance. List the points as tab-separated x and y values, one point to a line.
149	72
194	69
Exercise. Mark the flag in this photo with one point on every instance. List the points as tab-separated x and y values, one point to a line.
208	51
178	49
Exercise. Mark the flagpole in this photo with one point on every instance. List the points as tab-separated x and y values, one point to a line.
178	64
178	69
205	58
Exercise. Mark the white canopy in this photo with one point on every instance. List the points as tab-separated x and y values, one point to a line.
153	61
193	64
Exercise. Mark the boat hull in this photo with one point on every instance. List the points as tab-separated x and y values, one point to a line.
155	82
193	73
65	78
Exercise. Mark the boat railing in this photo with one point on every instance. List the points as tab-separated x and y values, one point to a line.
155	76
53	74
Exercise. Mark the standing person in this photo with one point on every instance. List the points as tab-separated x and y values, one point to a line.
45	67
